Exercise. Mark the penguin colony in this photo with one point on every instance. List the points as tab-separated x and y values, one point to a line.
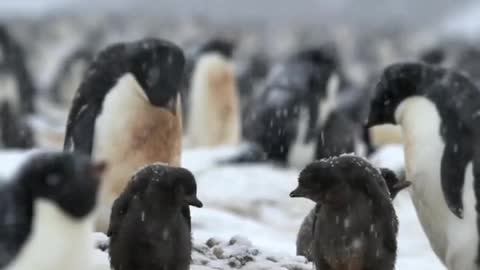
120	170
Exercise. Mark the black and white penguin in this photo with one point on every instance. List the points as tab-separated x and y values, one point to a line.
12	59
295	120
354	225
127	112
438	110
304	238
214	106
70	75
15	131
46	213
150	225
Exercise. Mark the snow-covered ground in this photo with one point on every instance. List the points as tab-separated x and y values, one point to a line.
251	202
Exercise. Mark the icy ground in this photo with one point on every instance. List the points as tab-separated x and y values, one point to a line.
254	222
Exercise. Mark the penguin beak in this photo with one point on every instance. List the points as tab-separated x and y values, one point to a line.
193	201
402	185
298	192
98	169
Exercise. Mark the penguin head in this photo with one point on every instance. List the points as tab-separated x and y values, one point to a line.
336	181
397	83
322	183
394	183
70	181
156	65
221	46
169	183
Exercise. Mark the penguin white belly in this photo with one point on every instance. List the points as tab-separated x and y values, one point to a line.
214	116
129	134
300	153
56	242
453	240
9	91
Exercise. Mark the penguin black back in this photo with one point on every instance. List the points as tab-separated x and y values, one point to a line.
355	225
299	82
150	221
68	181
157	66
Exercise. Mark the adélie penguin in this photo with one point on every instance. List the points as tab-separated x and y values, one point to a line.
214	115
47	213
150	225
439	112
127	112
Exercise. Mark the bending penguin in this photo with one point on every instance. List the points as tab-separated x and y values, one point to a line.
127	112
214	115
47	213
150	226
438	111
295	120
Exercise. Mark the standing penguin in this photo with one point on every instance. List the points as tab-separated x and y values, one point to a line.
12	57
15	131
46	213
127	112
214	115
355	223
438	111
307	229
150	225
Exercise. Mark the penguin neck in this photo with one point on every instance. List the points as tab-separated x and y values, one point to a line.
419	119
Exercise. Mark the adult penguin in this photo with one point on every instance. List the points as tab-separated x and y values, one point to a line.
438	110
127	112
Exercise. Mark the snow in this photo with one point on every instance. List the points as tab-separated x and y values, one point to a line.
251	204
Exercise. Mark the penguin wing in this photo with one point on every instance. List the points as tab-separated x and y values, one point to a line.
186	214
81	127
119	209
454	162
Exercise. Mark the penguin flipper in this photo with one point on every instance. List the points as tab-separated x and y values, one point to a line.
186	214
120	207
81	128
453	165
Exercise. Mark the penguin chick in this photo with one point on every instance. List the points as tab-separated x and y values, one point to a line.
127	112
46	213
150	221
355	225
304	237
214	103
